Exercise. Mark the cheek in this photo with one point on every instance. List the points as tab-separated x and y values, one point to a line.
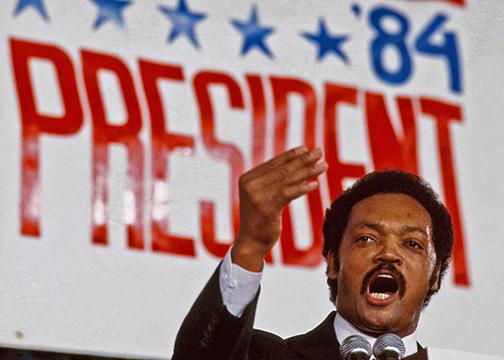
421	278
351	274
354	265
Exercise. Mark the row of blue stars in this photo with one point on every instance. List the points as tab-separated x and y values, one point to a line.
184	22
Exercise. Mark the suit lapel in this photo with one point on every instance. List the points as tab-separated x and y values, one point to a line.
318	344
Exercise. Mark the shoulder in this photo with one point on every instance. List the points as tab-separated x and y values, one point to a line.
265	346
319	343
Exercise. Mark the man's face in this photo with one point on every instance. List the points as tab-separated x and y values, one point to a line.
386	258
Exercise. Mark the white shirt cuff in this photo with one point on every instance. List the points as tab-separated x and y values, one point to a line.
237	285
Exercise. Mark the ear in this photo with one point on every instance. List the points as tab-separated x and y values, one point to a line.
435	278
332	271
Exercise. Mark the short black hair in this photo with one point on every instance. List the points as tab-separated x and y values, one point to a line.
389	182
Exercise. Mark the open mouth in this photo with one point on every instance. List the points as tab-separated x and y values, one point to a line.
382	285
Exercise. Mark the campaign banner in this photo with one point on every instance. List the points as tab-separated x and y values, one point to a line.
126	126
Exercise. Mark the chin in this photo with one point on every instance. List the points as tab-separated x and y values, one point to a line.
381	321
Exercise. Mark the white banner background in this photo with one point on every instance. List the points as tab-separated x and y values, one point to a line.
60	291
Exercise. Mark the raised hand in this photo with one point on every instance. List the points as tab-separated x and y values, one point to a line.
264	191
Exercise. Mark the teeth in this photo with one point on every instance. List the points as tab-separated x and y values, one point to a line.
380	296
387	276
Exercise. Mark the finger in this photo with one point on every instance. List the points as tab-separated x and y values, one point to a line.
299	169
293	192
305	173
304	166
283	191
278	161
273	172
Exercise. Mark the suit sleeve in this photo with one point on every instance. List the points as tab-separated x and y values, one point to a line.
210	332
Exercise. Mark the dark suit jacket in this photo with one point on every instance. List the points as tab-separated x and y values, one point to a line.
209	332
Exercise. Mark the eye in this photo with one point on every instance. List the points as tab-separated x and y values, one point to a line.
413	244
364	239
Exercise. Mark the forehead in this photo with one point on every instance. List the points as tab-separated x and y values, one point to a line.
396	209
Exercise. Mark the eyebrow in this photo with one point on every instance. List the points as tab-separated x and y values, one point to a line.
404	228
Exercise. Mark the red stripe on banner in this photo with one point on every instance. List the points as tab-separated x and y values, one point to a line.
454	2
444	113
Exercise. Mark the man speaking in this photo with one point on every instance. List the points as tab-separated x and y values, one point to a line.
387	243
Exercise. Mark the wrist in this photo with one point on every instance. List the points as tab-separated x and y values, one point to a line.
249	256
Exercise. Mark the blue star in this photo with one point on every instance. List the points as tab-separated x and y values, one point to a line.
110	10
253	34
183	21
37	4
326	42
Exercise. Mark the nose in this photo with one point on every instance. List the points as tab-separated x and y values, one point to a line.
389	253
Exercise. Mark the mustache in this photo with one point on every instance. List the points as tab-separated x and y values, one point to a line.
391	269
